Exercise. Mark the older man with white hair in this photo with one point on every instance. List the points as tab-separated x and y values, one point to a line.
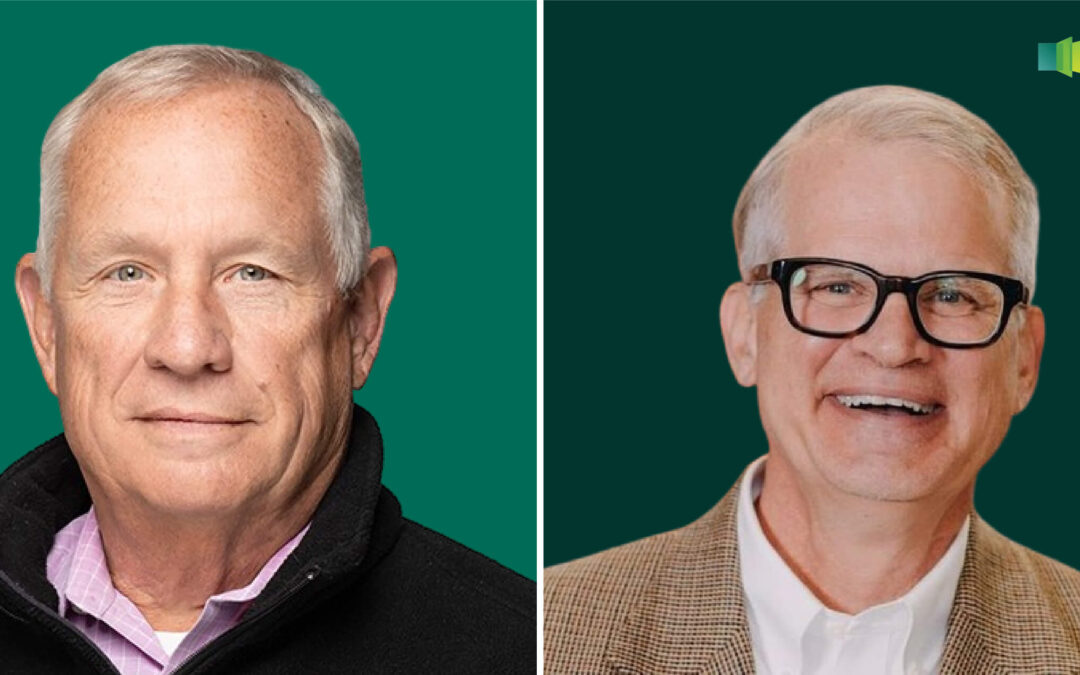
202	302
887	251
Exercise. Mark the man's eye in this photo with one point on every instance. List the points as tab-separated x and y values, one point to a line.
252	273
948	296
835	288
127	273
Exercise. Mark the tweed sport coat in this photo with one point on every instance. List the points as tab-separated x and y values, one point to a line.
673	603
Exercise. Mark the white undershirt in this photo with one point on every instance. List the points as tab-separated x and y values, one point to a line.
794	634
170	640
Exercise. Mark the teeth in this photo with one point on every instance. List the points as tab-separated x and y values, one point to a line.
860	400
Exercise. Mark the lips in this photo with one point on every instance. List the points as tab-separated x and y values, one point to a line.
190	417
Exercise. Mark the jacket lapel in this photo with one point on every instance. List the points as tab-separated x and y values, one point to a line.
1003	620
691	617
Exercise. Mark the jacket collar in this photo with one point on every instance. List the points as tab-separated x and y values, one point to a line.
354	527
39	494
1003	620
691	617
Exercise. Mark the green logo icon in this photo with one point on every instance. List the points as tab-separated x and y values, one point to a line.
1060	56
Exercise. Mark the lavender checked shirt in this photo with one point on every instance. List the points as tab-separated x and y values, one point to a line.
77	568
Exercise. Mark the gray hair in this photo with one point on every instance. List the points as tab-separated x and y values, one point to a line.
887	113
167	72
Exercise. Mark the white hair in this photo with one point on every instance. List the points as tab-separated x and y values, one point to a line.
168	72
890	113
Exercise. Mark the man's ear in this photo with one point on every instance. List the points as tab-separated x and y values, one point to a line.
39	317
1030	348
737	323
370	303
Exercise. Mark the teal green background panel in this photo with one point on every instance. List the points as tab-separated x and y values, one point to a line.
442	97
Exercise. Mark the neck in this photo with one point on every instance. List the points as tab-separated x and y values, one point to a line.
169	565
851	552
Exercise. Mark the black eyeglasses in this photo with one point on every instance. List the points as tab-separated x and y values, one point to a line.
836	298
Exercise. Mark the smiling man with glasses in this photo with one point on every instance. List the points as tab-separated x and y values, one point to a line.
887	247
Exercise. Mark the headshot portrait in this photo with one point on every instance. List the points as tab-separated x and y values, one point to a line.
809	324
207	291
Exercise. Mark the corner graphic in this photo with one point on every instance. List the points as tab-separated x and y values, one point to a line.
1060	56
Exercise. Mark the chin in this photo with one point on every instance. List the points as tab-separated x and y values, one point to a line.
890	478
192	505
197	491
890	487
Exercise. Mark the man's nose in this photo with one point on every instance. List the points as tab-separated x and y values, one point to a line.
189	333
893	340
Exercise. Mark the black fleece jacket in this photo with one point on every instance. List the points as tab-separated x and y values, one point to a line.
366	591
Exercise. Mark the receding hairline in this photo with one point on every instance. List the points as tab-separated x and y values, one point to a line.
838	131
113	108
111	115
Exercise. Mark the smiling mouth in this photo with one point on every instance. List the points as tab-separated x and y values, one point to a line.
887	404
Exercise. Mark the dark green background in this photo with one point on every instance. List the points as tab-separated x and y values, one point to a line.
655	115
442	97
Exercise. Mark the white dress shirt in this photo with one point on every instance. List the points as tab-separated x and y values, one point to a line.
794	634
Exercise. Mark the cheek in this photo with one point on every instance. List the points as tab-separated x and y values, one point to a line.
789	364
984	389
300	359
94	360
788	361
95	352
304	373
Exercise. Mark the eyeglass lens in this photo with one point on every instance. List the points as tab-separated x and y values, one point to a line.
837	299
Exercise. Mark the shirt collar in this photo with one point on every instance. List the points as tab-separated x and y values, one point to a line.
86	584
777	599
78	569
931	599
